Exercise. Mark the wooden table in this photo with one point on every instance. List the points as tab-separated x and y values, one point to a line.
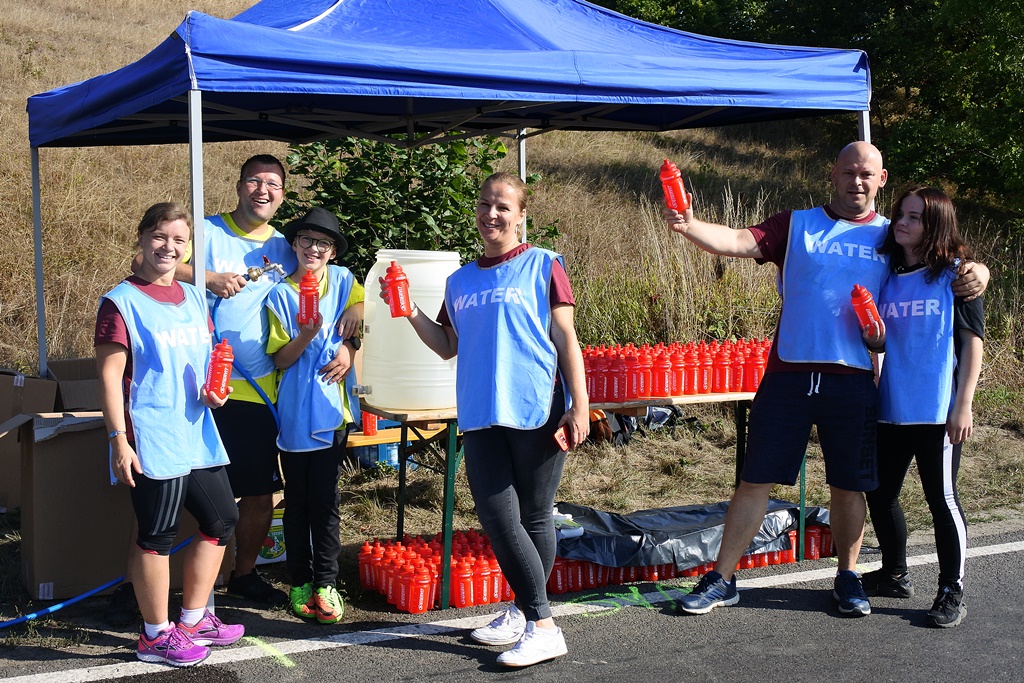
740	399
418	427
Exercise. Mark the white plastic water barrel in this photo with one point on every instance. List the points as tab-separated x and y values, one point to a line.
399	371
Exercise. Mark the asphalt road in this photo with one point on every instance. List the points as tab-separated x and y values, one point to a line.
785	628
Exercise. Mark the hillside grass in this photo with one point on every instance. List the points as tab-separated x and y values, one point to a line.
634	280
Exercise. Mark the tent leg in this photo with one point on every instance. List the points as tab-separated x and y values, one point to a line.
521	144
195	163
37	237
864	125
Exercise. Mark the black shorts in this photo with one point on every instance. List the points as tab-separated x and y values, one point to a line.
787	404
249	433
205	493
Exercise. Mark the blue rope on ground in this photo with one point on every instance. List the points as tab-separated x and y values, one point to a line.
88	594
99	589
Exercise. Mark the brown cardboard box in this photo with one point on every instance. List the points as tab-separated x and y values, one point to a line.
77	384
75	526
18	394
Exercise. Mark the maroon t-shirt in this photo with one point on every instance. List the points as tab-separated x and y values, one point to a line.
111	328
561	290
772	237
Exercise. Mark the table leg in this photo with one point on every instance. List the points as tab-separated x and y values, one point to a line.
451	466
740	413
400	533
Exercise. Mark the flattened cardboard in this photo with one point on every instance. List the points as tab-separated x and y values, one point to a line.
18	394
75	526
77	381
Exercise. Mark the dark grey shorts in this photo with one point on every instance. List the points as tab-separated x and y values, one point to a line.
843	407
249	433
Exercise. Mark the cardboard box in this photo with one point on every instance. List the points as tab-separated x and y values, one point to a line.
77	384
75	526
18	394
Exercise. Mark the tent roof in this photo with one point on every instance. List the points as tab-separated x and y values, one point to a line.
302	70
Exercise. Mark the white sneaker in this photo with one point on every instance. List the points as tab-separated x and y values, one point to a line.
506	629
536	645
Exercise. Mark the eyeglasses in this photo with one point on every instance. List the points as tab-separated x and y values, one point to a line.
305	241
253	183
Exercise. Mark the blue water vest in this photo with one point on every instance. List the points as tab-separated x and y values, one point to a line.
310	409
916	386
825	258
507	361
241	319
174	431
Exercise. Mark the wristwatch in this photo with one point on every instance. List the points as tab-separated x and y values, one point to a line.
355	341
114	434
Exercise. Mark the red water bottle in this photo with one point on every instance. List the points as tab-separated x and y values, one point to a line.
632	377
864	306
462	590
365	571
219	373
398	291
419	598
672	186
558	582
309	298
812	543
369	424
691	373
721	374
661	376
646	373
704	371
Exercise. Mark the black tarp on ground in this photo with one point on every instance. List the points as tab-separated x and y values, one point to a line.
687	535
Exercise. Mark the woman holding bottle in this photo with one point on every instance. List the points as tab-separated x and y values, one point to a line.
152	351
509	317
933	348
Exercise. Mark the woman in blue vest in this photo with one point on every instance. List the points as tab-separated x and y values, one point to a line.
933	349
153	342
313	410
509	317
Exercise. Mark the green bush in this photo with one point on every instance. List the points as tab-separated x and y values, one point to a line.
393	197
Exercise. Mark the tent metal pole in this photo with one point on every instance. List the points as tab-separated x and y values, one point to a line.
521	143
864	125
521	148
37	238
195	163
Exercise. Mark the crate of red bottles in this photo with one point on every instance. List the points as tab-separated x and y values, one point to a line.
408	573
570	576
616	374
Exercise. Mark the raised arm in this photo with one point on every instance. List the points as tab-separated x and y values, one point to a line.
712	237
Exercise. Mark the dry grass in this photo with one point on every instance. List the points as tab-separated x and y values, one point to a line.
634	280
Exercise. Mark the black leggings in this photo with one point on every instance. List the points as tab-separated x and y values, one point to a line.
311	513
513	475
205	493
938	462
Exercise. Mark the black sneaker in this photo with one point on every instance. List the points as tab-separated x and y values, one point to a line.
949	608
253	587
849	593
883	584
122	608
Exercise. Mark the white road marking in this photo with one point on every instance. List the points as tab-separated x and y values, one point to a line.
449	626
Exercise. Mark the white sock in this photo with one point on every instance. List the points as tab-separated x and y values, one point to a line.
191	617
153	630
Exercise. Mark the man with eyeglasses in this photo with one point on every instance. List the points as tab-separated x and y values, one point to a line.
234	242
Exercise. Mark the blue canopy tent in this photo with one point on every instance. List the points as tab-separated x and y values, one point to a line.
304	70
